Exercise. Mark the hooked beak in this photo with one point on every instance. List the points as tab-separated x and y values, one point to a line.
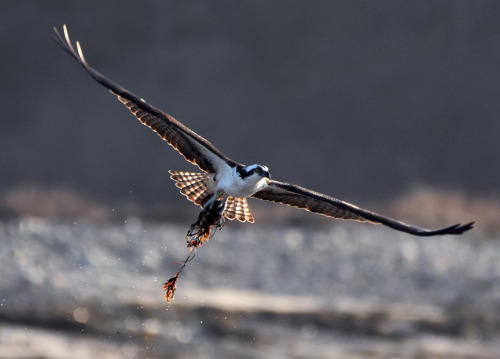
266	174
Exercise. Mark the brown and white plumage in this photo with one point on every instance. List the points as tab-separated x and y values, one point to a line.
237	207
315	202
227	180
192	185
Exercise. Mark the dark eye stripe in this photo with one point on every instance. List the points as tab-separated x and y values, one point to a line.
244	174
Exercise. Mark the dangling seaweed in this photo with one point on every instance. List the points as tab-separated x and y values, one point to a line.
200	231
210	217
171	285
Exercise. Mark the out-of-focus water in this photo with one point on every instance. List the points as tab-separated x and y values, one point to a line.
83	290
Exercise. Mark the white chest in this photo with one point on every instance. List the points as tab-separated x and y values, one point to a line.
233	185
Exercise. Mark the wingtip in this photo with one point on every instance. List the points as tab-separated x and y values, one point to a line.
80	52
57	36
467	226
66	33
458	228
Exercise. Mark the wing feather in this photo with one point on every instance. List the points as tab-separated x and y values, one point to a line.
315	202
189	144
192	185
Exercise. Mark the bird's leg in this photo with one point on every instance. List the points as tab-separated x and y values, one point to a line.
210	216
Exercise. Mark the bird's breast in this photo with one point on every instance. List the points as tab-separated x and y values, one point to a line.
233	185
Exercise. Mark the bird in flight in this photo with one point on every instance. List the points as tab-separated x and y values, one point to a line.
227	182
224	185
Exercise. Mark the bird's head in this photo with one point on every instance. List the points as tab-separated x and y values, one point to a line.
254	171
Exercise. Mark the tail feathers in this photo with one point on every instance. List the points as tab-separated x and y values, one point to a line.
237	207
192	185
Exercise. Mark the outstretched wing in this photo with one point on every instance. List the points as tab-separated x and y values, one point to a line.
315	202
192	146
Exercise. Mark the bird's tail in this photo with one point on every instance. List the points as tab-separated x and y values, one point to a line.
237	207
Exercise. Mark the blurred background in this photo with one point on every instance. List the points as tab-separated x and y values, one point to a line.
389	105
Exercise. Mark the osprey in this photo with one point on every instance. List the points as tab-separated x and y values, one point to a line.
224	185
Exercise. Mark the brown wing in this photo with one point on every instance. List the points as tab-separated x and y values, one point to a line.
193	147
192	185
315	202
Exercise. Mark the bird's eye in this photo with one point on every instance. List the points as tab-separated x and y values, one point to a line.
258	170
